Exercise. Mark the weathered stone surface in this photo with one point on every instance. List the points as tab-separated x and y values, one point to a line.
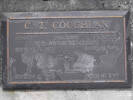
67	95
42	5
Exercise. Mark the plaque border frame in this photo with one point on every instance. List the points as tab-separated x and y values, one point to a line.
124	82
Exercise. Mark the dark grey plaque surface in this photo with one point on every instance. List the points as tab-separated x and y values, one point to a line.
65	50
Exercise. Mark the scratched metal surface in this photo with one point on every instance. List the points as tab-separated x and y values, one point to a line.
66	50
40	5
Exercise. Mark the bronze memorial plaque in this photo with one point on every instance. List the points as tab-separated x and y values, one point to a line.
66	50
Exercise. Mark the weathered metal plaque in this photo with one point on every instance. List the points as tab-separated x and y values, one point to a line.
65	50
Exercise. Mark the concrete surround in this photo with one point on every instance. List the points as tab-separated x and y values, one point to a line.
67	5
